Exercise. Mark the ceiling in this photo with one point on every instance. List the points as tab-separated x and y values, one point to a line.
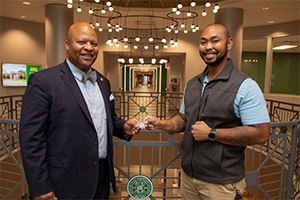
255	14
279	11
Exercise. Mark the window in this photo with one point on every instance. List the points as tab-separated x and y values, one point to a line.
286	69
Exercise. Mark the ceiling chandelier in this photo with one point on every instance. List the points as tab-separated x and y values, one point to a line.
148	31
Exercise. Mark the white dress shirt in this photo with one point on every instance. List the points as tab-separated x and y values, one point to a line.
95	103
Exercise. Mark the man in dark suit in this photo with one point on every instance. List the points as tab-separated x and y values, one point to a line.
67	125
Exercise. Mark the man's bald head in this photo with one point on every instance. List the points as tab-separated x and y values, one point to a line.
78	27
222	27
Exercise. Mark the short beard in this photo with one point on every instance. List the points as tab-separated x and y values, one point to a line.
213	63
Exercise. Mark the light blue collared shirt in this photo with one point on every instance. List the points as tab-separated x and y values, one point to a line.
95	103
249	104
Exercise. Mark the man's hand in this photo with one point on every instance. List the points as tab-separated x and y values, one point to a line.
151	122
131	127
48	196
200	131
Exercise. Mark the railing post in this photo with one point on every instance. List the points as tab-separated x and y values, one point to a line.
291	162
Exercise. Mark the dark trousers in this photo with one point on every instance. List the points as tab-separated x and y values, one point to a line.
103	186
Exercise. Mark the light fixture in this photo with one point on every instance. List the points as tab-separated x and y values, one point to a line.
193	4
108	3
69	5
176	43
130	60
27	3
217	6
117	45
265	8
79	9
179	5
283	47
207	4
139	35
215	10
153	61
70	1
126	46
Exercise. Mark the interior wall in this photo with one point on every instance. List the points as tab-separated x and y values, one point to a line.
21	42
276	30
176	66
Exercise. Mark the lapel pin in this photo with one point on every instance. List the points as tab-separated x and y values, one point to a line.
101	79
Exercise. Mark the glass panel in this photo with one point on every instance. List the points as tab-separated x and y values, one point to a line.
286	68
254	60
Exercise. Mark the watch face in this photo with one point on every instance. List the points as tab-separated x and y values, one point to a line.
212	136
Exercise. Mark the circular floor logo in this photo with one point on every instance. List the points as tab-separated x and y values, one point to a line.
140	187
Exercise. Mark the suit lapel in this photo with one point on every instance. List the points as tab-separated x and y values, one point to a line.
70	81
105	92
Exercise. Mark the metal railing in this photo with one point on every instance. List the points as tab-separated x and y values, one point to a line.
272	170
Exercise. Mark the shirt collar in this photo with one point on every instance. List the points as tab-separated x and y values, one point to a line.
75	71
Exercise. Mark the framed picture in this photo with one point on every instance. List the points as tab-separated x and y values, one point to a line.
174	80
16	74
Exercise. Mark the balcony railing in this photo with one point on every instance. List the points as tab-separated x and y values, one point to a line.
272	169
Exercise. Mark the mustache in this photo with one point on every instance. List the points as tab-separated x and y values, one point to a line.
210	52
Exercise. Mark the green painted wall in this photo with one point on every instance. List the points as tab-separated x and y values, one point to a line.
163	78
285	73
256	70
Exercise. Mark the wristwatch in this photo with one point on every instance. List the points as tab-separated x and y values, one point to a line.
212	134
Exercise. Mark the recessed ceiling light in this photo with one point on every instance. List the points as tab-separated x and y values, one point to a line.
23	16
271	22
26	2
266	8
283	47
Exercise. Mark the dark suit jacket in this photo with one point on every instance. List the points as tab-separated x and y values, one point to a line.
57	136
